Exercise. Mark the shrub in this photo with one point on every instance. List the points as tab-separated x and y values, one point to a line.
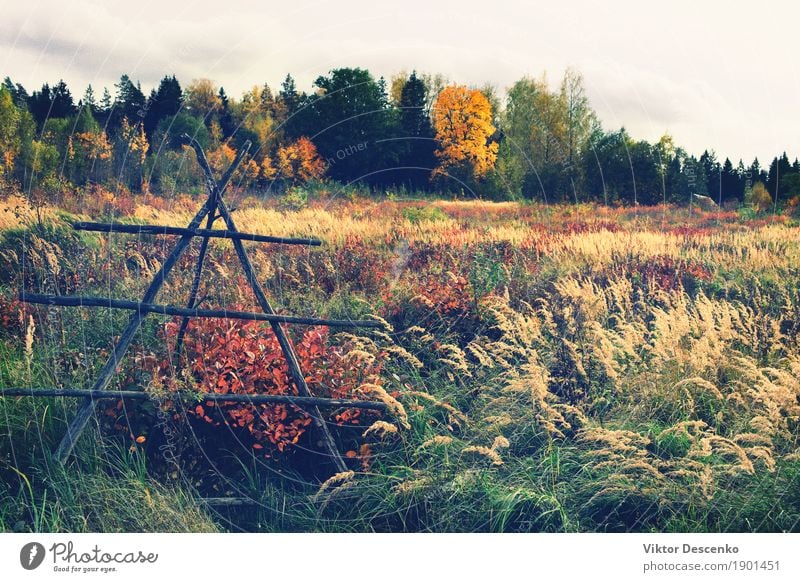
244	357
759	197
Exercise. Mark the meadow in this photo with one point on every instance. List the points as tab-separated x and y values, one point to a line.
561	368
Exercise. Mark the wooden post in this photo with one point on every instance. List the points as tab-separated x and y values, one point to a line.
78	423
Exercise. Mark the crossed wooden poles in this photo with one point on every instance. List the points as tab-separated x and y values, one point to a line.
213	209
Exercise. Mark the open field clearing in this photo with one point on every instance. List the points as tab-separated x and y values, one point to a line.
545	368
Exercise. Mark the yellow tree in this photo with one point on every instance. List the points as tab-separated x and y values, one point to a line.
136	146
299	161
254	110
221	157
201	98
462	120
9	136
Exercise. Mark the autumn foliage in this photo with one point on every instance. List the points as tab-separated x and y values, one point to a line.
462	120
299	161
234	357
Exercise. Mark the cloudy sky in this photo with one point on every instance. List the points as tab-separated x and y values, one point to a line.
715	75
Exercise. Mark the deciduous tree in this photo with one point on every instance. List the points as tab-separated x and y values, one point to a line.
462	121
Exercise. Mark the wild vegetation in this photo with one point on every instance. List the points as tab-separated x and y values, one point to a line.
547	368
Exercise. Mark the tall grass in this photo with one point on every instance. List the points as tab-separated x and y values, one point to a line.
548	369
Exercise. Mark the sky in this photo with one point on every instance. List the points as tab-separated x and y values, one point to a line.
715	75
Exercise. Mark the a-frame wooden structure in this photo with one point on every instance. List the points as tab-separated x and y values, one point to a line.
213	209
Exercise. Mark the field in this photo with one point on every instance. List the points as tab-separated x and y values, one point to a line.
546	368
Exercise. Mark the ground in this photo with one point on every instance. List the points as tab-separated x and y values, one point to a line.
546	368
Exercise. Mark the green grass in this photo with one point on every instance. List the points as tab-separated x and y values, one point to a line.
429	476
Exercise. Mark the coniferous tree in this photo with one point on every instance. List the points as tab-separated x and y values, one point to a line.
163	102
729	182
226	122
89	101
290	102
417	156
712	174
39	104
18	93
129	103
755	173
351	124
779	168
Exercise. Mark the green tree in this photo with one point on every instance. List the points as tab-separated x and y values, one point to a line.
534	152
779	168
164	102
129	104
352	125
759	197
417	159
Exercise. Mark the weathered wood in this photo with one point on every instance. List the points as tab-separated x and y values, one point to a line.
280	334
213	204
144	308
299	401
228	501
86	410
198	232
191	302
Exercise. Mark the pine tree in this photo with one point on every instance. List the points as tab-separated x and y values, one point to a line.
289	95
226	121
415	125
39	104
129	103
164	102
779	168
88	101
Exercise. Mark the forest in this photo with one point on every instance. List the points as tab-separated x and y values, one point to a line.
415	132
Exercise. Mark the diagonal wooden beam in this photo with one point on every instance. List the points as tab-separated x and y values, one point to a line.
190	303
277	328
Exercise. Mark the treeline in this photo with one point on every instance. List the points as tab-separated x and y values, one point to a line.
415	131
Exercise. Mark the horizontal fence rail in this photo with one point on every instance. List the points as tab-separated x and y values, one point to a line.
300	401
78	301
200	232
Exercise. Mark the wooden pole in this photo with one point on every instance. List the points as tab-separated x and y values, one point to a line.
200	232
145	308
299	401
190	303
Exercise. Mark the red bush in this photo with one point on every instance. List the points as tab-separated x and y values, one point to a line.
234	357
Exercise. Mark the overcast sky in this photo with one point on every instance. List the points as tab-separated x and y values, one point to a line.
714	75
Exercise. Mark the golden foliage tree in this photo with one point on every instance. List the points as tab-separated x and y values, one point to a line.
9	138
299	161
759	197
462	120
201	97
221	157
